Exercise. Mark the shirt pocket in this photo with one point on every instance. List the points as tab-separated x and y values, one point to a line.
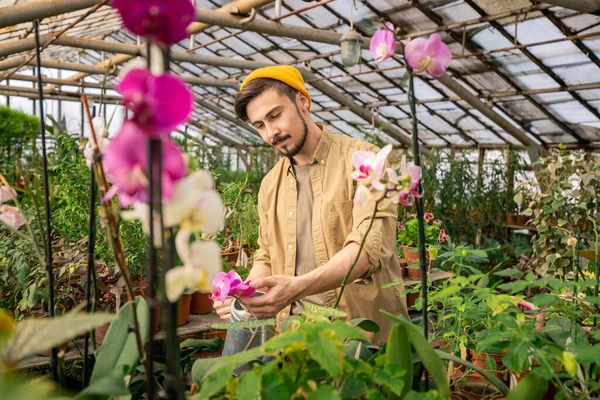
340	220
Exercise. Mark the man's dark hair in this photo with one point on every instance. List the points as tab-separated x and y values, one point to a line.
258	86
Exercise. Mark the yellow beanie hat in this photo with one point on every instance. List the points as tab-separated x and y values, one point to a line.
283	73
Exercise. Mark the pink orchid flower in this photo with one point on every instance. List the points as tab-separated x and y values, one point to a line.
370	167
431	55
159	103
6	194
163	21
126	162
230	284
383	43
405	196
11	216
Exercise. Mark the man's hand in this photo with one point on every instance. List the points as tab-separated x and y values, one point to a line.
283	291
223	309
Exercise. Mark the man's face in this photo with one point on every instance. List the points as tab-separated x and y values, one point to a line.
279	122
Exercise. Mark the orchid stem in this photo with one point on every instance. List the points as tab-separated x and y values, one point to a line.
362	244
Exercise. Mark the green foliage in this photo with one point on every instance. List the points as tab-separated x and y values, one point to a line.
322	359
119	355
408	233
31	337
570	183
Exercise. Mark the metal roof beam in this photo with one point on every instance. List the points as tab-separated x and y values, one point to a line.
584	6
497	26
27	12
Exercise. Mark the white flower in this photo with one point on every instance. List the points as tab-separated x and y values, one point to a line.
103	142
201	263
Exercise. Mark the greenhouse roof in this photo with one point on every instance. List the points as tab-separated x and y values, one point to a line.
523	72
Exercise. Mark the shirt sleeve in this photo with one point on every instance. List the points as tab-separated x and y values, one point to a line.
262	255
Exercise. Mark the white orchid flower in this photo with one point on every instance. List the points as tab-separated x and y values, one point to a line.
201	263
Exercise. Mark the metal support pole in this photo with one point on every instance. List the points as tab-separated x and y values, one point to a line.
48	266
420	214
168	309
91	270
153	147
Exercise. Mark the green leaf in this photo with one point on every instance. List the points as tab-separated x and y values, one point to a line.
508	272
373	394
215	382
249	386
324	393
203	344
431	361
107	386
280	342
531	387
589	354
344	331
326	311
203	367
35	335
274	387
365	324
327	352
514	287
592	300
250	324
393	384
399	352
354	388
351	347
544	299
119	349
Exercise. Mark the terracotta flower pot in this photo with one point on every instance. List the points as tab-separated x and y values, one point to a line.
403	264
479	360
231	256
414	271
183	309
411	299
101	332
410	253
201	303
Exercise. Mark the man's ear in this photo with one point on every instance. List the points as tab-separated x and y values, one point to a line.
302	101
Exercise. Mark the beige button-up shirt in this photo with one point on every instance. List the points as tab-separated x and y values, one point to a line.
336	222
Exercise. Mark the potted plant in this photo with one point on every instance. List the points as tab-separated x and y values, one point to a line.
241	222
408	233
201	303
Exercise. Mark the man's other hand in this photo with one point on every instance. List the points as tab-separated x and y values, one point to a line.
223	309
282	291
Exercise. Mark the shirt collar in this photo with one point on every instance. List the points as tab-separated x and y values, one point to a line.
321	152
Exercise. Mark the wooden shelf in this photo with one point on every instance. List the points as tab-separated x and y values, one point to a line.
196	324
435	275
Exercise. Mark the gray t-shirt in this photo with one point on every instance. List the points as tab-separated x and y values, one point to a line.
305	250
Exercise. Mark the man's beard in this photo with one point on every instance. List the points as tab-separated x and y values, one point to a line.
298	147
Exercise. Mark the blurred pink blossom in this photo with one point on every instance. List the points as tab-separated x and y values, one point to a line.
125	161
11	216
163	21
159	103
